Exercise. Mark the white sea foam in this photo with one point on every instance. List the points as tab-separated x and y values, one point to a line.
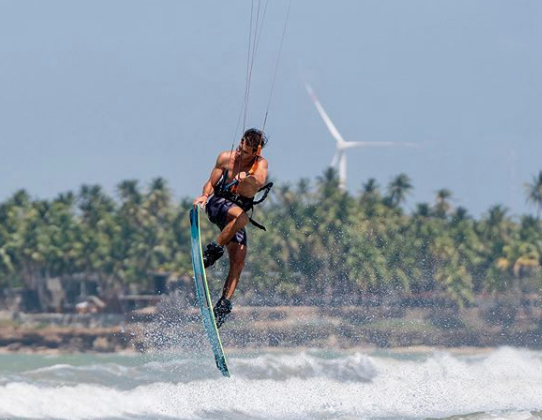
303	386
356	367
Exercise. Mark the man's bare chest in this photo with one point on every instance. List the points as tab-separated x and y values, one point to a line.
234	167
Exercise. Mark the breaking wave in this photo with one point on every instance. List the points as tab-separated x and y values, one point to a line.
505	383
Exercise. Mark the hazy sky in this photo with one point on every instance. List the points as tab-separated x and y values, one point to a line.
102	91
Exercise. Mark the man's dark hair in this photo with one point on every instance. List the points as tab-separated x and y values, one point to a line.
254	137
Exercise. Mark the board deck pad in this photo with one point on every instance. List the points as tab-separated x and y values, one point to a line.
203	295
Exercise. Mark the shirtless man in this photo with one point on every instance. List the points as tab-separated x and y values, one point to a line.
235	179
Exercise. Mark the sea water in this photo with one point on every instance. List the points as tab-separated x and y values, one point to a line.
504	383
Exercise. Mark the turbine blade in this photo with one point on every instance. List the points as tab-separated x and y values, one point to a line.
350	144
330	126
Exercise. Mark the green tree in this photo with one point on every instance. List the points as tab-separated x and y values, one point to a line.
442	203
98	233
398	189
533	190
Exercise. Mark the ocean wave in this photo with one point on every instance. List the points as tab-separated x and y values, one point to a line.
505	383
500	415
356	367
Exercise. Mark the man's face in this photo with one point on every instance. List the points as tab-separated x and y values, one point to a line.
246	150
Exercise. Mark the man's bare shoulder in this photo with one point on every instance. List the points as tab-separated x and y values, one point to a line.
223	159
263	162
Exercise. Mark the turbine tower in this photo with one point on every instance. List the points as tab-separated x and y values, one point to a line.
339	160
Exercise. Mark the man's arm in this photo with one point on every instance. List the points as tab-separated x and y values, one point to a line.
249	185
209	186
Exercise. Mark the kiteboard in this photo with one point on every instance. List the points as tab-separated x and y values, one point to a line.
203	296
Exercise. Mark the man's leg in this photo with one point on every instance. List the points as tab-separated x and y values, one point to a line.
237	220
237	254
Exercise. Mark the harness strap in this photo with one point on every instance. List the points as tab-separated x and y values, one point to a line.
256	161
267	188
247	204
258	225
233	185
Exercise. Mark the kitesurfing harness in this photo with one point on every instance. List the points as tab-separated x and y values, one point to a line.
229	192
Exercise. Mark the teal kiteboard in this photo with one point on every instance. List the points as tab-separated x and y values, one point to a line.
203	296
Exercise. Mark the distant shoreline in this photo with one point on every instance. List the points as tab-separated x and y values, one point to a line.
456	351
284	328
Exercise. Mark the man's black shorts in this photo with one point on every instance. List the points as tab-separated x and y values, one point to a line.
217	211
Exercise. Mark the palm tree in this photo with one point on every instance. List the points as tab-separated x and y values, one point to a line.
423	210
370	199
180	233
534	193
21	198
14	216
158	236
370	188
496	222
129	247
93	202
303	187
442	202
495	231
159	196
461	214
398	189
328	182
99	229
61	231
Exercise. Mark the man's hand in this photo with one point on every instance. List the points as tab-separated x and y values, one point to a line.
241	175
201	200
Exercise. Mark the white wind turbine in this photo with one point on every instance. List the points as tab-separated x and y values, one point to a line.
339	160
